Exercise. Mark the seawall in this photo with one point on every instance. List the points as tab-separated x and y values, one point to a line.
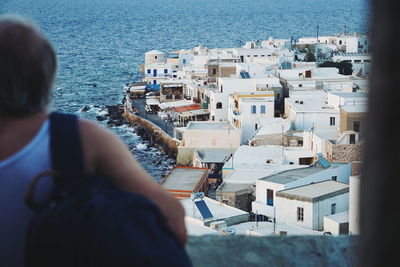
152	133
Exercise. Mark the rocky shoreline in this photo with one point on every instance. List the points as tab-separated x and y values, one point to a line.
115	117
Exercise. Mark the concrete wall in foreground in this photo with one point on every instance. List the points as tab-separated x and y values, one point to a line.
284	251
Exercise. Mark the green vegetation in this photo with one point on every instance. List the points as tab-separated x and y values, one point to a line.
345	68
310	57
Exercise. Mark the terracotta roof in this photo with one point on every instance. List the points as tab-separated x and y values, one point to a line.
187	108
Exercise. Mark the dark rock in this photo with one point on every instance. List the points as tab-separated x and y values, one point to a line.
101	118
85	109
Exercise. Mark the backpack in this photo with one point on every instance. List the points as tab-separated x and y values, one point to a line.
88	221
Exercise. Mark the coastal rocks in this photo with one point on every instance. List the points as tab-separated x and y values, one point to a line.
153	135
85	109
114	115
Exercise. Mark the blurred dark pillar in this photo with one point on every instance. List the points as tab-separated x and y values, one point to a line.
380	181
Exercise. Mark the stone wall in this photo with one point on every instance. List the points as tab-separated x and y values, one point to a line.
155	135
185	156
240	199
299	251
343	153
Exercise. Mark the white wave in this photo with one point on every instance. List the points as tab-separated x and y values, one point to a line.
141	146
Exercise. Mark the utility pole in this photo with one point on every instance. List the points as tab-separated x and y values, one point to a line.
317	33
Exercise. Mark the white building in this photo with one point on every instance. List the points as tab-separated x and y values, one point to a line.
246	109
205	135
154	56
354	204
157	72
315	139
310	109
359	61
355	43
227	85
307	205
267	187
337	223
264	228
220	212
264	160
271	132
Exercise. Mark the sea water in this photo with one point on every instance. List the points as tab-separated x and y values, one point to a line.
100	43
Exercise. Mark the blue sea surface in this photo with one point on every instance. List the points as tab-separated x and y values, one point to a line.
100	43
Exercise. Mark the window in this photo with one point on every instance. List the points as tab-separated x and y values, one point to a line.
213	118
300	214
357	61
214	71
356	126
332	121
334	178
352	139
262	109
155	82
165	71
253	109
255	127
148	71
300	85
333	208
184	61
219	105
270	197
155	57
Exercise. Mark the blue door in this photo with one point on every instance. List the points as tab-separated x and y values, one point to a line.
155	72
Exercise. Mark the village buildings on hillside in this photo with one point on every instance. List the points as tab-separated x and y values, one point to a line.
272	136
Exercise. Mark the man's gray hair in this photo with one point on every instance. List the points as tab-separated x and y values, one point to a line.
27	67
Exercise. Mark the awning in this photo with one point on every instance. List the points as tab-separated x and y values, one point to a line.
196	112
187	108
152	102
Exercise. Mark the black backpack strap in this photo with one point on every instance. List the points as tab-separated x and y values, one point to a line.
65	144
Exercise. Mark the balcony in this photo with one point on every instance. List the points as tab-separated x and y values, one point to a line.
236	112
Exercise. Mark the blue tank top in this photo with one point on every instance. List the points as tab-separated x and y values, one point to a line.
16	174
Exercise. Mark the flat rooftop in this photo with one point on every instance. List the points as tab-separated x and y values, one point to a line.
289	176
360	108
311	105
315	192
218	209
209	126
214	155
183	178
342	217
195	227
267	228
327	133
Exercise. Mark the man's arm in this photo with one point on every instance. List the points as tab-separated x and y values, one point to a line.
107	156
